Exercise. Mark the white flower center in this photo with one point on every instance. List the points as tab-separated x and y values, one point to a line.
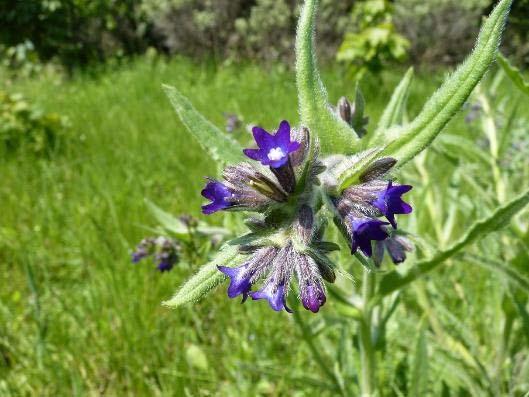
276	154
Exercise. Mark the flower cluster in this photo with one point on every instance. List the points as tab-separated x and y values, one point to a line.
283	185
360	206
163	250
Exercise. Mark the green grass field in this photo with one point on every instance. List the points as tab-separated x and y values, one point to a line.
77	318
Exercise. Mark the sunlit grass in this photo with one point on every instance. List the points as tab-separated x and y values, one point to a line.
76	318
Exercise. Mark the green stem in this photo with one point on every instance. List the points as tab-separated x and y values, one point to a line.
309	340
367	352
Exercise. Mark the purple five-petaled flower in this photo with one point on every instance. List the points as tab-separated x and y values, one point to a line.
274	294
389	202
273	150
364	231
219	195
239	280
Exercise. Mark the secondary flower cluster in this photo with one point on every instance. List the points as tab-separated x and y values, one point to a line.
163	250
360	206
286	241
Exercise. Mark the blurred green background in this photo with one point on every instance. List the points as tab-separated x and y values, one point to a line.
86	134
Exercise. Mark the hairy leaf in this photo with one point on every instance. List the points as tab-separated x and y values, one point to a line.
336	136
444	103
207	278
514	74
509	272
462	147
498	218
178	227
221	147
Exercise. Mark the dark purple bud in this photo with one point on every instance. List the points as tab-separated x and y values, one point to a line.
219	194
303	225
364	230
285	176
273	150
377	169
301	135
344	110
389	202
275	295
313	297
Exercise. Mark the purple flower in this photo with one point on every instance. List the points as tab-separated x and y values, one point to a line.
273	149
239	280
164	252
219	195
274	294
166	263
313	297
364	230
139	255
396	246
389	202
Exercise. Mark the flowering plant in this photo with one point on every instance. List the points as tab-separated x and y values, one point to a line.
298	182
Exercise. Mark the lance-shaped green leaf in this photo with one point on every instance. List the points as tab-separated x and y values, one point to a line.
394	113
502	268
446	101
178	227
207	278
514	74
221	147
334	133
498	218
463	148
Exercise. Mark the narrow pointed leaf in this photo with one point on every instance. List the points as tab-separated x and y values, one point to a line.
220	146
207	278
514	74
509	272
394	112
179	228
461	147
444	103
334	133
498	218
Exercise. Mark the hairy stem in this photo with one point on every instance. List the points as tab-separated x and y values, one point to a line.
307	337
367	352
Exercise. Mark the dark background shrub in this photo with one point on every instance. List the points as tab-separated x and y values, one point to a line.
80	32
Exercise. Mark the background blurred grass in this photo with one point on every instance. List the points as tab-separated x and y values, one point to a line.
76	318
